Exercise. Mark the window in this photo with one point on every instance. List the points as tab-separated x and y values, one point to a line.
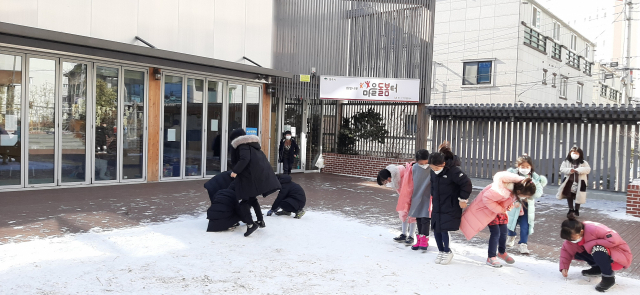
477	72
536	18
613	94
563	86
411	125
579	92
573	60
553	80
534	39
603	90
556	51
556	31
587	51
602	77
574	42
587	68
544	76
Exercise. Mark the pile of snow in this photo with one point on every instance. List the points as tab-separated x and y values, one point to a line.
322	253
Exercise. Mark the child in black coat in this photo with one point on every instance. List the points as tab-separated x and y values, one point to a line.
291	199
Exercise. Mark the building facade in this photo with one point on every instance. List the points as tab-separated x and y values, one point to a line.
508	51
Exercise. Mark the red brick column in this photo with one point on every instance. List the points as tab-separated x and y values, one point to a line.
356	165
633	198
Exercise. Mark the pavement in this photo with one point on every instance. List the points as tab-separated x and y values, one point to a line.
34	214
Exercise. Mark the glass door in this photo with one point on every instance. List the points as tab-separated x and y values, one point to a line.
172	131
134	125
73	123
11	85
293	121
106	150
193	135
214	137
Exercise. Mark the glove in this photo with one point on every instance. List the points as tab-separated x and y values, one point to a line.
269	212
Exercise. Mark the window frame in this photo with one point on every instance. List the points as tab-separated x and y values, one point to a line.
477	76
556	30
563	86
536	17
580	92
573	43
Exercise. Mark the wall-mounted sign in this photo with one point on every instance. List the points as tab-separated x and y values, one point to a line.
252	131
305	78
373	89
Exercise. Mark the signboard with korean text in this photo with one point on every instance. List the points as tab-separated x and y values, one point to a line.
372	89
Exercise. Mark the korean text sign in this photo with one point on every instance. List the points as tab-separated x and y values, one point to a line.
373	89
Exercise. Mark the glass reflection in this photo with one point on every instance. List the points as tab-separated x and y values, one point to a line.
42	81
10	119
74	115
106	143
214	129
193	153
235	113
133	120
172	126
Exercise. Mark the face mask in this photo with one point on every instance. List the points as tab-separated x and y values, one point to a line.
288	137
577	241
524	171
425	166
575	156
437	172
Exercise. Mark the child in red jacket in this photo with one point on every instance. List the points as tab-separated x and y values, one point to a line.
599	246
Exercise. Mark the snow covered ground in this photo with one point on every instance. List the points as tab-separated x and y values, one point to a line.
322	253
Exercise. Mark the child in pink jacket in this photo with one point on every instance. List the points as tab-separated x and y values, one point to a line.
401	179
599	246
490	208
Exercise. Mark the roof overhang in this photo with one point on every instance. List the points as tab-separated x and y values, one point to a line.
12	34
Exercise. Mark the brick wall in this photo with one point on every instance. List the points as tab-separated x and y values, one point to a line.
354	165
633	198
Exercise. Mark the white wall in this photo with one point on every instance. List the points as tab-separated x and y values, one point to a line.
220	29
475	29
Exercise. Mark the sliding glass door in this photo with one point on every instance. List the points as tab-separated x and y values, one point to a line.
11	99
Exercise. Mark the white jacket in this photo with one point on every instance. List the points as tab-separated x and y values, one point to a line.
583	173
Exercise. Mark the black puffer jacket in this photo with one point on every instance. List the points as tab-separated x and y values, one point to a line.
223	205
446	188
254	173
290	154
218	182
291	193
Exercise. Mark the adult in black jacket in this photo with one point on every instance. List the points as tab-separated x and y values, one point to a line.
252	171
218	182
450	190
225	212
287	152
290	199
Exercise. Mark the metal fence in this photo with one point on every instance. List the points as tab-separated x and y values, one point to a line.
489	139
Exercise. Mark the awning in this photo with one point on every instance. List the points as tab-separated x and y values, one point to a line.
12	34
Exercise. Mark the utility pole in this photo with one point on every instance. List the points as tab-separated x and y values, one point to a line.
628	71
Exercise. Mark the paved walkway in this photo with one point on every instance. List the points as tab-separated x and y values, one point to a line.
26	215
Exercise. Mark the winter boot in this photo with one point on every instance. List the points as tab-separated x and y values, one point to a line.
251	228
571	213
261	223
409	241
299	214
282	213
400	239
418	243
425	243
577	211
447	257
492	261
511	241
524	249
594	271
505	256
606	284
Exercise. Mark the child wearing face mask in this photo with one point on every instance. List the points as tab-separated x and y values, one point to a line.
450	190
421	199
490	207
288	151
525	214
597	245
401	179
574	184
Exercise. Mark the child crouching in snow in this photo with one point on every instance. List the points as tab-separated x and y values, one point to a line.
490	207
400	178
599	246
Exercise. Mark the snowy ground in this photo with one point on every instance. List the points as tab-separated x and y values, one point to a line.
322	253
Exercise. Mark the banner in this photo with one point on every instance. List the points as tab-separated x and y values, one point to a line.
373	89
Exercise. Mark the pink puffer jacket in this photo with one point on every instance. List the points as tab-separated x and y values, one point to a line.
597	234
494	199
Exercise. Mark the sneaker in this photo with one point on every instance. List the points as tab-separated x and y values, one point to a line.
400	239
492	261
524	249
283	213
505	256
261	224
299	214
511	241
409	241
439	257
447	257
606	284
251	228
594	271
